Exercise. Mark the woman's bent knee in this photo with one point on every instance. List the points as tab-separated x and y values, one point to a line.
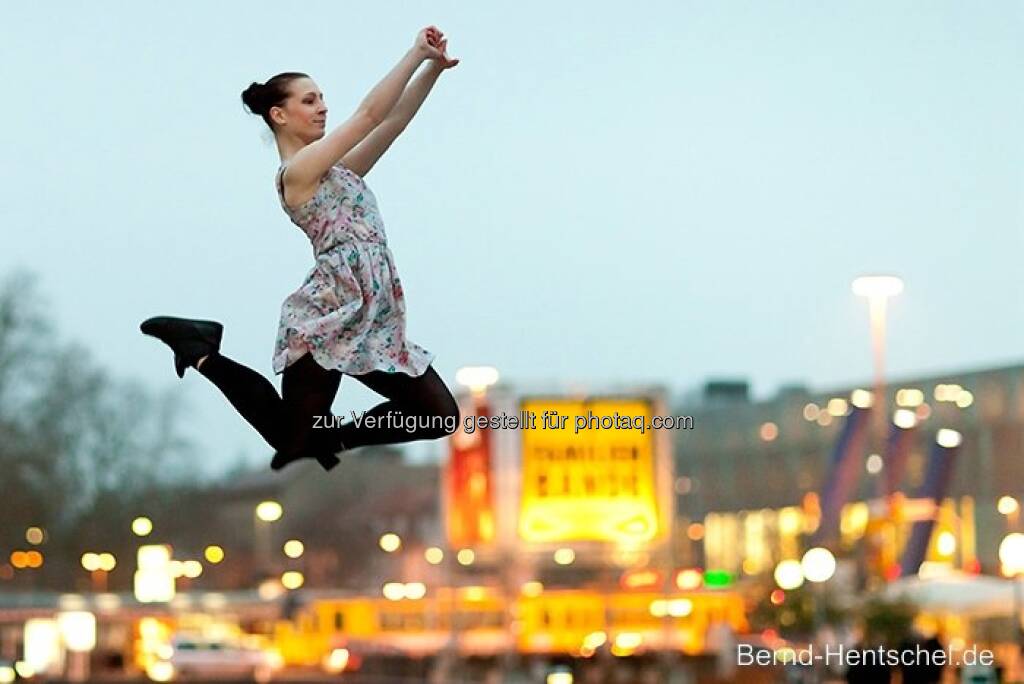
444	418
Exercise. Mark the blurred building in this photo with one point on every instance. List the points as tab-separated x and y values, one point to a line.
749	474
339	517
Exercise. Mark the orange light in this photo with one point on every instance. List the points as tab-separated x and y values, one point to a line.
33	559
695	531
19	559
778	597
640	579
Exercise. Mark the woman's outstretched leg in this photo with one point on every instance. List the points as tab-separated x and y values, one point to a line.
196	344
300	424
418	407
252	395
285	422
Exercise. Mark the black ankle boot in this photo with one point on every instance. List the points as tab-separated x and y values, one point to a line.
282	459
189	339
321	447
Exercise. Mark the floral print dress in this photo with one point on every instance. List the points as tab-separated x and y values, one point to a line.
349	312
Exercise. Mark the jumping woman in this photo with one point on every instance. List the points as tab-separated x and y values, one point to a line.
348	316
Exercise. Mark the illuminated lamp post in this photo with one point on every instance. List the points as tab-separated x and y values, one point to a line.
818	565
266	512
878	289
468	485
1011	558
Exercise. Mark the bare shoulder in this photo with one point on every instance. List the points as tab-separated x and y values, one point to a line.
293	195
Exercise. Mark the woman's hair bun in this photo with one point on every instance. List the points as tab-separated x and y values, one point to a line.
253	98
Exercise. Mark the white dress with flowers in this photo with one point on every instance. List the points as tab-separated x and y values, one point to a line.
349	312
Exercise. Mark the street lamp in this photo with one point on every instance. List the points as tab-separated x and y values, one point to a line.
878	289
1011	558
266	513
1010	507
477	378
142	526
269	511
818	566
472	456
390	542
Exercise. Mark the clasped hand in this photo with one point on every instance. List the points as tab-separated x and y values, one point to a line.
432	43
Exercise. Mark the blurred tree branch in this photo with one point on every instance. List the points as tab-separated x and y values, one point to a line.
80	450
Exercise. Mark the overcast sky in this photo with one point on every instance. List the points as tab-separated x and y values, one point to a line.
597	194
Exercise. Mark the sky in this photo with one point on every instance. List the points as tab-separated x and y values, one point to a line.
597	194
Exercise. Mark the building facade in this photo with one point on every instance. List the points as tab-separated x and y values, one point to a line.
750	473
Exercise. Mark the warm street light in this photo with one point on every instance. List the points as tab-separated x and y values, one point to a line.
904	418
565	556
789	575
269	511
107	562
949	439
390	542
26	559
154	582
293	548
477	378
883	286
91	562
270	589
415	590
1011	560
945	544
214	554
292	579
878	289
818	565
1011	554
142	526
1007	505
393	591
861	398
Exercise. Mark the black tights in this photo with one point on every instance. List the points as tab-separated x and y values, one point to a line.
299	421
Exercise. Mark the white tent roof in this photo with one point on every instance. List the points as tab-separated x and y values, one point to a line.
961	593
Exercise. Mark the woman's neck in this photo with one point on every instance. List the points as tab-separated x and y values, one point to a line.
287	146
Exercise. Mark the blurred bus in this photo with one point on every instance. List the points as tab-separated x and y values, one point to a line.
336	633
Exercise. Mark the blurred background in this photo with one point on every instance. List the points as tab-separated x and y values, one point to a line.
792	229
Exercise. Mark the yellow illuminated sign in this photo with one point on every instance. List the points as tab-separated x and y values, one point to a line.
588	470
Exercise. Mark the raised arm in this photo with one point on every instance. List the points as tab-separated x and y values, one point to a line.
309	164
364	155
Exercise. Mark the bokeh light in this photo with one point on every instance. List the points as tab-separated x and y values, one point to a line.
390	542
142	526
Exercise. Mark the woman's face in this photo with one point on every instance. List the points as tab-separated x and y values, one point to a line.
304	113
